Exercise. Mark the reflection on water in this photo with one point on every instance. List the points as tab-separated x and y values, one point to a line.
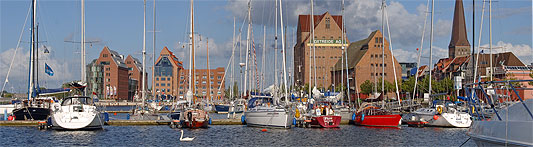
346	135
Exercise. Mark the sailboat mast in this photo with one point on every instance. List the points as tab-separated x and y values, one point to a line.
208	73
153	56
247	47
83	68
143	92
232	85
284	57
263	59
346	58
313	36
32	61
382	41
192	50
431	46
490	38
276	51
191	47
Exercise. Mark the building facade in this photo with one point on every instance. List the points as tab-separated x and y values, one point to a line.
365	62
459	46
135	76
327	43
213	87
167	73
108	76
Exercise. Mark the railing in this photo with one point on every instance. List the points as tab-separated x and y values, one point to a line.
474	99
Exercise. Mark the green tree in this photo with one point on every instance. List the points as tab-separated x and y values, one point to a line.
531	75
366	87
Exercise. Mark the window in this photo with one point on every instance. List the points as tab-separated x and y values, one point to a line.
203	87
372	65
104	55
218	82
203	82
328	24
157	79
219	77
168	90
129	62
162	79
204	77
182	77
162	90
156	84
168	79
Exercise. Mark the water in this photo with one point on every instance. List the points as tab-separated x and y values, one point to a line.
236	135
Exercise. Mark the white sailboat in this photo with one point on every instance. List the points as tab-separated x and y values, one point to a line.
263	110
77	112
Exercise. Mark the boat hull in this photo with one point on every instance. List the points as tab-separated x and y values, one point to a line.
378	120
268	118
89	122
195	124
459	120
329	121
493	133
222	108
31	113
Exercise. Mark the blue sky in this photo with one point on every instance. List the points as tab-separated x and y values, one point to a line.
118	24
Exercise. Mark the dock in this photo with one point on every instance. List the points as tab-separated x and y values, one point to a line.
137	122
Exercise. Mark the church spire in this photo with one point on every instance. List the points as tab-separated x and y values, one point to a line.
459	45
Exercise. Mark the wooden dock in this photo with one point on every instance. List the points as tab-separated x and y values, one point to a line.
138	122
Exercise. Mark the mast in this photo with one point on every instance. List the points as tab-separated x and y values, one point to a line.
32	54
383	54
284	57
144	58
310	56
346	58
263	59
431	46
232	85
247	47
314	47
83	68
208	73
490	38
153	56
191	55
276	51
420	52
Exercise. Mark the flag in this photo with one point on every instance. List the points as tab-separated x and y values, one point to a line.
48	70
114	90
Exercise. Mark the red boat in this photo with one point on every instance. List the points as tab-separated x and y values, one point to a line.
328	121
195	119
374	116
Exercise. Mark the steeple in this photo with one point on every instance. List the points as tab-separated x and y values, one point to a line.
459	45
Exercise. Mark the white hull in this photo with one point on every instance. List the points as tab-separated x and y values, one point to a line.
66	118
515	128
269	118
458	120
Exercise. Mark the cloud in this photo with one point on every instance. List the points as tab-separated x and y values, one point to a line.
18	77
362	17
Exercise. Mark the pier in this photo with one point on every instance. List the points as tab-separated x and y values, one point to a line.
137	122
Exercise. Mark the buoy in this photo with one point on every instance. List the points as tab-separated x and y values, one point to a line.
293	121
353	116
115	113
11	117
435	117
362	117
263	130
243	119
209	120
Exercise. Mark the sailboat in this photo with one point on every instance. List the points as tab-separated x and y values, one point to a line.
37	106
77	112
193	117
264	110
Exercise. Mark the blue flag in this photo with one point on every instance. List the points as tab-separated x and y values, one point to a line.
48	70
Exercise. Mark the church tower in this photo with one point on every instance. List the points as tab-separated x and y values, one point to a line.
459	45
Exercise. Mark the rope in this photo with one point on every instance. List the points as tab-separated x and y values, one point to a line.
465	142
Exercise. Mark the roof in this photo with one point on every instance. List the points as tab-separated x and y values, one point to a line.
172	57
304	25
116	57
459	37
356	51
136	62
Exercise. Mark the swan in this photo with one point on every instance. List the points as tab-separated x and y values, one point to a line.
185	139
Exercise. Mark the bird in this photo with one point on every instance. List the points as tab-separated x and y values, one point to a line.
185	139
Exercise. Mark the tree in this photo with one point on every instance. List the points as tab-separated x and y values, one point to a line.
531	75
366	87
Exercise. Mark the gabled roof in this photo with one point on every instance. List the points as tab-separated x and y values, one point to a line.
116	57
136	62
356	51
304	20
171	56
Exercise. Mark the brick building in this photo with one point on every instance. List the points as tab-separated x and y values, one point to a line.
135	76
202	88
327	40
108	76
166	73
365	63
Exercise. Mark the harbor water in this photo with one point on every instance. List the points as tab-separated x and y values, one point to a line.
236	135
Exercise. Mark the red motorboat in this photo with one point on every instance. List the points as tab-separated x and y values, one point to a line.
195	118
324	117
374	116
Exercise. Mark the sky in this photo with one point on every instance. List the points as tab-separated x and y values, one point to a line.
118	24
